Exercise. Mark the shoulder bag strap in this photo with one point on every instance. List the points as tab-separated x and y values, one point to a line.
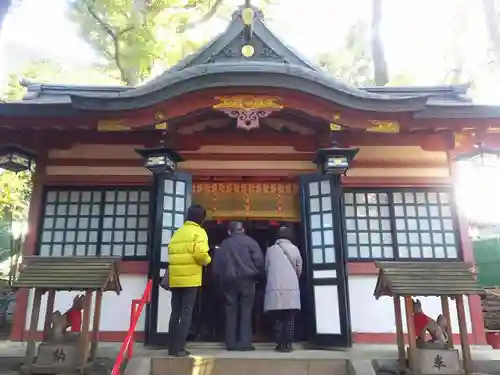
287	257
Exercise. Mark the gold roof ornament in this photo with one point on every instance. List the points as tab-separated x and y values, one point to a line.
112	126
248	109
162	125
334	127
492	130
380	126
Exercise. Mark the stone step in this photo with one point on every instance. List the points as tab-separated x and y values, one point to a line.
221	346
237	366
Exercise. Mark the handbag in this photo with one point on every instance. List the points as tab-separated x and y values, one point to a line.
164	283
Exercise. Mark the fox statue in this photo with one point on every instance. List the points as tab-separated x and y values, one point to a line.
61	322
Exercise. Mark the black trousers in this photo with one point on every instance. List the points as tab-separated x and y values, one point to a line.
239	297
284	326
182	304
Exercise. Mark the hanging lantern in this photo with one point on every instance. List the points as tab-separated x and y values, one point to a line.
481	157
160	160
335	160
16	159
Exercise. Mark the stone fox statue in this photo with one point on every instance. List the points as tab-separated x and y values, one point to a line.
423	324
70	319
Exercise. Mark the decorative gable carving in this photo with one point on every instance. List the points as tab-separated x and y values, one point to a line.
262	52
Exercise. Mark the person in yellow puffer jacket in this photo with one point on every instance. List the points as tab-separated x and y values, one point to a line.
187	254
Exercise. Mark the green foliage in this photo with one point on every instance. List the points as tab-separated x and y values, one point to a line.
50	71
137	37
351	63
133	41
15	190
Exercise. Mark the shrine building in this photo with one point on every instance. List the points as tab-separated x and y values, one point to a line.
247	116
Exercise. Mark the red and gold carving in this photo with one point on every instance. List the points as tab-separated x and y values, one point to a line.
334	126
112	126
161	123
463	140
248	109
248	200
383	126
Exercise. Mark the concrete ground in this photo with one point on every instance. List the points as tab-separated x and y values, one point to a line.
11	354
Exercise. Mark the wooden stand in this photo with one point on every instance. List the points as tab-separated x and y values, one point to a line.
60	351
76	353
441	279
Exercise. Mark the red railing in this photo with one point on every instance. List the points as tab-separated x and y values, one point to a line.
135	313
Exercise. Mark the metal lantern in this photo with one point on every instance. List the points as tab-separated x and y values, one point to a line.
481	157
16	159
335	160
160	160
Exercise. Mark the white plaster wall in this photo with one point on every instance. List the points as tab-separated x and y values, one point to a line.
115	313
377	316
164	309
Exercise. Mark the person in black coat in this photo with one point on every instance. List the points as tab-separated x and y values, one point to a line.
237	266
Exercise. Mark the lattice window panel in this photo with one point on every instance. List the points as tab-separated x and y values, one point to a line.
424	225
95	222
176	199
125	223
368	225
321	222
400	225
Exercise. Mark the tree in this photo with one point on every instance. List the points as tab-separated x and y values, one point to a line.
135	36
4	10
5	7
455	52
46	70
15	190
377	46
350	63
491	18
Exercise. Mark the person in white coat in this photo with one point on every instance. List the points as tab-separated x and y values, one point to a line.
282	299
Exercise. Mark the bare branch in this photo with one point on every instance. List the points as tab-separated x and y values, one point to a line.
490	15
109	30
114	35
378	54
211	12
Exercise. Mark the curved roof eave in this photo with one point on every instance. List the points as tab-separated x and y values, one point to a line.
249	74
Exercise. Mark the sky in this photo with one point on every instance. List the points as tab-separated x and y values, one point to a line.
415	33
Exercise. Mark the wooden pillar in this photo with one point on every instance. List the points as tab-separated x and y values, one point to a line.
35	313
49	309
412	338
84	334
462	326
445	307
399	332
95	325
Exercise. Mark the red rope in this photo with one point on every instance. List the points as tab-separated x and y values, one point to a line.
136	310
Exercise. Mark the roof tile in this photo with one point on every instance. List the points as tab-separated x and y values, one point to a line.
70	273
426	279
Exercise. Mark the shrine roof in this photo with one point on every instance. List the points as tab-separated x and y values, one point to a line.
220	64
70	273
426	279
